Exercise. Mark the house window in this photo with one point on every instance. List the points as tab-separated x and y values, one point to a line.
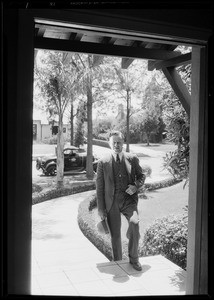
34	131
54	130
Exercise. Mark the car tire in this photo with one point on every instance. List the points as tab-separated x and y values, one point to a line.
51	171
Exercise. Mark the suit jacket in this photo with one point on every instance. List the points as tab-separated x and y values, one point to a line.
105	179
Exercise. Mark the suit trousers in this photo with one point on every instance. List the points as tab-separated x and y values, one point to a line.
123	203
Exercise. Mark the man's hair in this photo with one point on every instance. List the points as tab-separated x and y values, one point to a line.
116	133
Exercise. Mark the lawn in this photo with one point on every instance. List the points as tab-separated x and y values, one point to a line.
159	203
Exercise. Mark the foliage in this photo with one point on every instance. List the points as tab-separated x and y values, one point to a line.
48	193
158	184
36	188
150	123
52	74
101	127
145	121
52	140
80	118
177	163
101	143
177	125
168	236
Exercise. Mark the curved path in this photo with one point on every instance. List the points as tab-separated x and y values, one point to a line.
65	262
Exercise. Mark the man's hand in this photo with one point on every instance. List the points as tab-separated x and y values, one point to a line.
102	214
131	189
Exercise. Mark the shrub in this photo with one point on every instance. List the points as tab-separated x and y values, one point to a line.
147	170
51	193
167	236
36	188
101	143
103	136
160	184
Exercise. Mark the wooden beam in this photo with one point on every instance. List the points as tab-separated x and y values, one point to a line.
178	86
108	40
183	59
126	62
152	63
103	49
41	32
75	36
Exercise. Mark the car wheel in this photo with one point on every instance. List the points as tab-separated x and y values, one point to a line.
51	170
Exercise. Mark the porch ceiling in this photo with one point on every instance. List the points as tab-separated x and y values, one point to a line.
160	53
64	37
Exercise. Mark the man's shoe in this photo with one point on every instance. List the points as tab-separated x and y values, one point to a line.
136	265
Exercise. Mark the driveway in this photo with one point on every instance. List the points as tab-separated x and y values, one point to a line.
148	155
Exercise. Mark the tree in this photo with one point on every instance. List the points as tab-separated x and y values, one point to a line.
80	119
149	124
129	81
89	64
53	78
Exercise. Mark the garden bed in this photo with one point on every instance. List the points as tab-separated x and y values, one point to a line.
51	192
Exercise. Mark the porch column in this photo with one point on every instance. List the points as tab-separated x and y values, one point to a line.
197	249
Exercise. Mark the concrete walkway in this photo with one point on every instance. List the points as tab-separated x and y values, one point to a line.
65	262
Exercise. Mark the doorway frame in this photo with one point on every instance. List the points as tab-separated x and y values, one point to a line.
19	233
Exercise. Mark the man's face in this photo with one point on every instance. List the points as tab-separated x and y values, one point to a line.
116	143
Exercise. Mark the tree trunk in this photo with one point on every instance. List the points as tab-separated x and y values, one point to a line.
147	138
60	153
89	165
127	122
72	123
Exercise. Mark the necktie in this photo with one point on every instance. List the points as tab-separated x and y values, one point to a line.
118	159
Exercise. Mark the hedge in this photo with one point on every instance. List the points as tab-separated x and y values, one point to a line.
101	143
160	184
51	193
168	236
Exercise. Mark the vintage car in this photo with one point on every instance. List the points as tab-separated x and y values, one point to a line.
74	161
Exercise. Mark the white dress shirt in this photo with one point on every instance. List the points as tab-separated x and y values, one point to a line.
115	155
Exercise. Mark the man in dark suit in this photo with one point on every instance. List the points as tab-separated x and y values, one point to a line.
119	176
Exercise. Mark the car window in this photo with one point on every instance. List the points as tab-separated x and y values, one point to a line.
68	152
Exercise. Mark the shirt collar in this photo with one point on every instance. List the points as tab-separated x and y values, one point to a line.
115	155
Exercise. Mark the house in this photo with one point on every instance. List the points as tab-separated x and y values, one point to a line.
44	132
